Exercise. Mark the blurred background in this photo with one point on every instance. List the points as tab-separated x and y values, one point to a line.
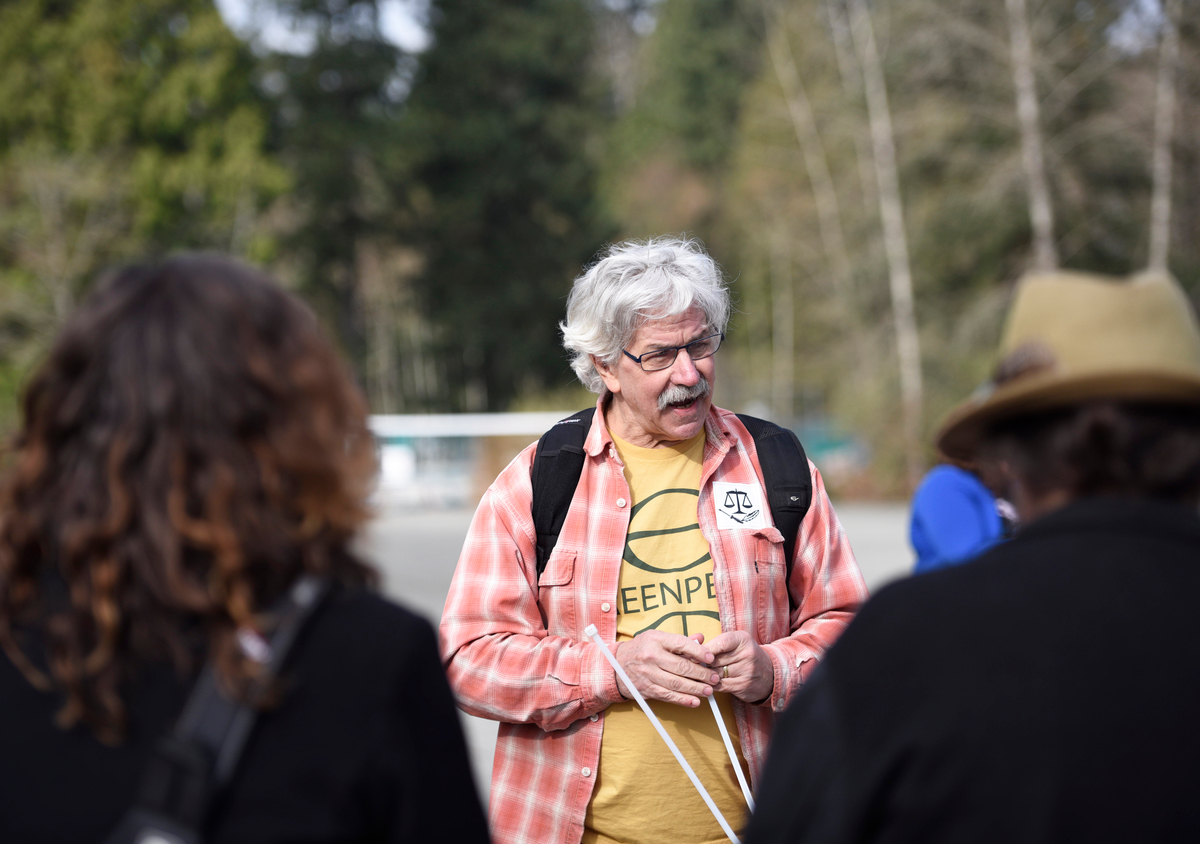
432	174
874	175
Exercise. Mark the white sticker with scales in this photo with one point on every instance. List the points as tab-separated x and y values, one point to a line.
738	506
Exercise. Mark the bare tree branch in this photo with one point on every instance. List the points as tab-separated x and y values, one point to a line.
1164	132
851	78
1040	212
895	240
783	329
825	196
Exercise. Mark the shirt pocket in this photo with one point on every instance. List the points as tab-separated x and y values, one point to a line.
772	608
556	593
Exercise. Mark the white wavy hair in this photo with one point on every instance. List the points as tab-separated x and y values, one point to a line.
632	283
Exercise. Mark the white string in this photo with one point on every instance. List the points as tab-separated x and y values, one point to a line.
737	767
591	632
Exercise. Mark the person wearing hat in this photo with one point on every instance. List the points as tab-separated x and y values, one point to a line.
1049	690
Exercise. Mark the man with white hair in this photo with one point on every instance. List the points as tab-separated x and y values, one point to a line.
672	549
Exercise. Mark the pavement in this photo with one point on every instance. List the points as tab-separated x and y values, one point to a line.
416	551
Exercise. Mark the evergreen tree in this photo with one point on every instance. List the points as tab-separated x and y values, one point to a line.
700	57
158	89
336	124
670	152
126	127
503	124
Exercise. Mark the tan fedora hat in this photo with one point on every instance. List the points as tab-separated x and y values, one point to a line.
1074	337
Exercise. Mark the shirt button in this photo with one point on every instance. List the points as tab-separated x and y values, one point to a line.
605	607
587	772
593	718
620	502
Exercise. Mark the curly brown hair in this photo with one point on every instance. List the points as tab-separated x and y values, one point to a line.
1103	448
191	446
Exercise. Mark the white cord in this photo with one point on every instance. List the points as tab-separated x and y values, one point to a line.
591	632
737	767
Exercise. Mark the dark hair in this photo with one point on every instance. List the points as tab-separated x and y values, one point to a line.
191	446
1103	448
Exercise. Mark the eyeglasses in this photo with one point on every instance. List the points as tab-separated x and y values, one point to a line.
663	358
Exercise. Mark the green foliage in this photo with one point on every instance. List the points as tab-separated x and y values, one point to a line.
159	89
435	208
336	124
503	122
669	153
702	54
126	127
947	65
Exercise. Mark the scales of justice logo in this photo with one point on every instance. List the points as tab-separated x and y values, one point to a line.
738	506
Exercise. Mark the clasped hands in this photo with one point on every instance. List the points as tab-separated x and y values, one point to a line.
682	669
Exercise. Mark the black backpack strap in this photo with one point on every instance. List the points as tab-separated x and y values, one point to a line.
189	767
785	471
557	465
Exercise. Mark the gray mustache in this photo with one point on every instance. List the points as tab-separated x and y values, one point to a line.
679	393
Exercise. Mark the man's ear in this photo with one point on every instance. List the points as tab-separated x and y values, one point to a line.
607	374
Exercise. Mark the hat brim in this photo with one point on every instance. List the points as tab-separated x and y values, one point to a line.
965	427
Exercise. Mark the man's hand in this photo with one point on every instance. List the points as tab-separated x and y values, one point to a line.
751	676
667	666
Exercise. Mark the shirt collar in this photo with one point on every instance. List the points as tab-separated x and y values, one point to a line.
718	433
598	439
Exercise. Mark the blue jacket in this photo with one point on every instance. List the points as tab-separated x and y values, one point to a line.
954	518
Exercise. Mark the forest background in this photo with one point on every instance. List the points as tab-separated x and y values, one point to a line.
873	175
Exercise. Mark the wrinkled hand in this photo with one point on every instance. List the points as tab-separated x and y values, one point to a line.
667	666
751	674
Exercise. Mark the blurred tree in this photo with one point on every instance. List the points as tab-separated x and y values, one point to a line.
816	163
337	113
895	236
670	149
700	57
1184	219
438	231
620	26
503	125
1164	133
158	90
126	127
949	73
1041	214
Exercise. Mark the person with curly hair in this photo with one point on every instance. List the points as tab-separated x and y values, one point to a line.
192	448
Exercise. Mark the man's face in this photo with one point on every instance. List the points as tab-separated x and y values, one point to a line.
636	414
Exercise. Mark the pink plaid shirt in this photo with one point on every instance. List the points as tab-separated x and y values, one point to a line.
515	650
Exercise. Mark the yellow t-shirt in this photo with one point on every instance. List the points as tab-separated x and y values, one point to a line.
666	583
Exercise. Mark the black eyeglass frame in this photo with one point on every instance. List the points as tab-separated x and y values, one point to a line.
675	350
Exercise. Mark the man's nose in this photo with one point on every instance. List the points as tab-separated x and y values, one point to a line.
684	370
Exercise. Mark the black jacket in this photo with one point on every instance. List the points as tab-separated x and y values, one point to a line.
1048	691
366	746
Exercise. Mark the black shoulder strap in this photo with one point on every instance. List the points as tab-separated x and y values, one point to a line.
785	471
557	465
188	767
